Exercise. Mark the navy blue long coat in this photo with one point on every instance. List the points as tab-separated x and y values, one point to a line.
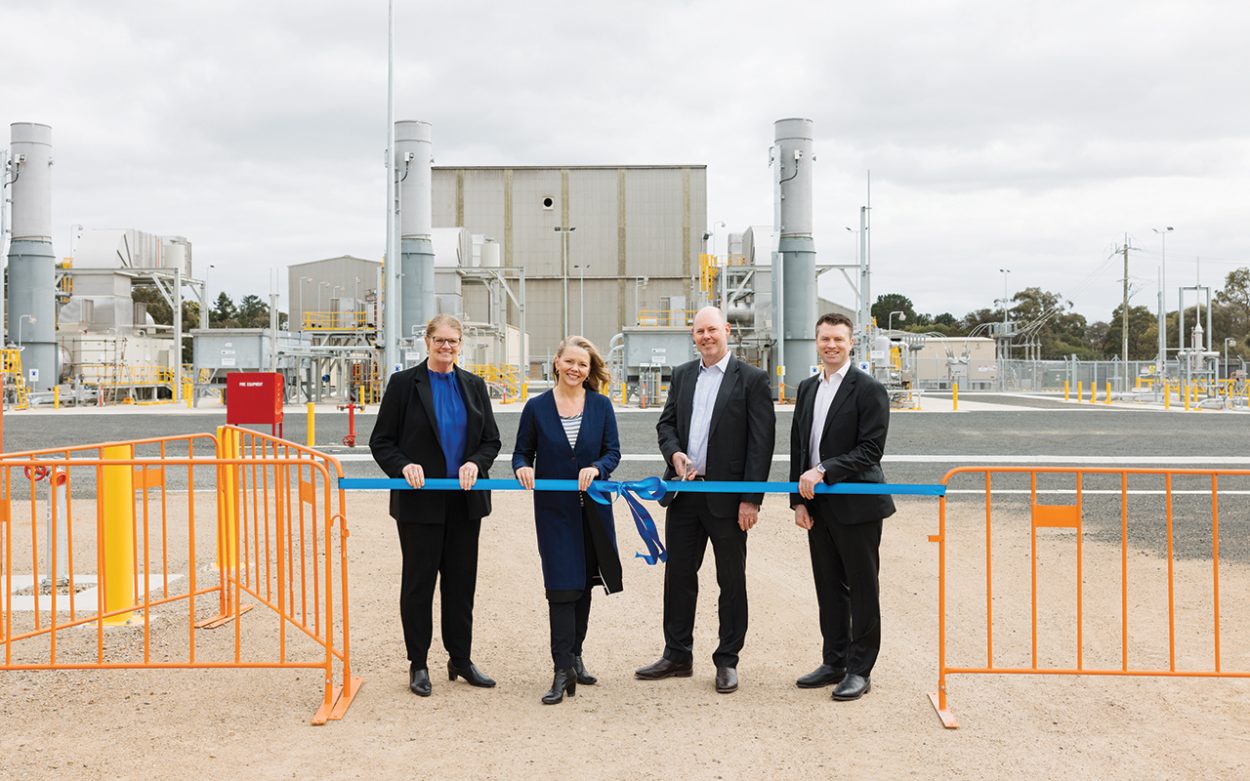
542	444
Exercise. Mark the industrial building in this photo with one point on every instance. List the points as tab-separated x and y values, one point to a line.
600	247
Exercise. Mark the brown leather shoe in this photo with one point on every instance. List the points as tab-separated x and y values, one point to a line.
664	668
726	680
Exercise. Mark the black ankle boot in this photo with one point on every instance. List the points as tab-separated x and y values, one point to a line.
564	681
470	673
583	677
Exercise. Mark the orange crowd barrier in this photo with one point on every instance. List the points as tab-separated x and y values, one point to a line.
1059	614
156	543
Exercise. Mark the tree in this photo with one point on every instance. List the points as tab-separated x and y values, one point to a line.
893	302
1143	335
223	314
253	313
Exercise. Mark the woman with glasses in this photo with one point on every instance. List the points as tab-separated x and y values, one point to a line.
435	421
569	433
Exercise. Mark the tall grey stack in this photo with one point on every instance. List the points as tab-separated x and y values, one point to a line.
32	266
412	165
794	288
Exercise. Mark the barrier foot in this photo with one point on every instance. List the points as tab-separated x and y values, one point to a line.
947	716
222	618
340	700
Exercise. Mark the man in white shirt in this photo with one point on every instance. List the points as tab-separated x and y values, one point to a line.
718	423
837	435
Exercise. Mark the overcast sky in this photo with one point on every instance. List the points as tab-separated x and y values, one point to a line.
1026	136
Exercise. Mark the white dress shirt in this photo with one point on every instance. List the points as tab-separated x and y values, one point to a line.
705	390
826	389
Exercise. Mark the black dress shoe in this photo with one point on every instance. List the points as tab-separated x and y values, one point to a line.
822	676
419	682
665	668
583	677
564	681
852	687
474	676
726	680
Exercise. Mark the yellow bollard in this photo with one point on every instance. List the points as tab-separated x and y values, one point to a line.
188	394
1093	392
1186	387
1080	391
117	527
781	393
1066	390
56	397
1167	395
227	512
624	393
525	390
955	397
312	425
1107	395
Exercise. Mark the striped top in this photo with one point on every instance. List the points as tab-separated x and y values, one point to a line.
572	425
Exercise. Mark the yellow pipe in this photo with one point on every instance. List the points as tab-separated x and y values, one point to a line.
312	425
955	397
1107	395
117	514
227	447
1066	391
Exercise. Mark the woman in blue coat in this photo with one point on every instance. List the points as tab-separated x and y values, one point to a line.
569	433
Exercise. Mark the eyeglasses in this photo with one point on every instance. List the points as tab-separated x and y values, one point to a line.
445	342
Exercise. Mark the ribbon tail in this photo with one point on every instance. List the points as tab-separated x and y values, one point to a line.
647	531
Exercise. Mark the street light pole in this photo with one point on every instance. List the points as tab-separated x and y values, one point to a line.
564	231
1161	361
581	292
890	320
302	280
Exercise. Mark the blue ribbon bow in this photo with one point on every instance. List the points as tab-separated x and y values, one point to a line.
606	492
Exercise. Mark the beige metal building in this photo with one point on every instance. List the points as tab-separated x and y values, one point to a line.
634	235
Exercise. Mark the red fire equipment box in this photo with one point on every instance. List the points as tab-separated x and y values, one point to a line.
254	397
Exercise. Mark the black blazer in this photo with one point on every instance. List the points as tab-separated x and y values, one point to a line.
850	448
405	432
740	439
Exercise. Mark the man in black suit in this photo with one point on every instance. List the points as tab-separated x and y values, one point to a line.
837	435
717	424
435	420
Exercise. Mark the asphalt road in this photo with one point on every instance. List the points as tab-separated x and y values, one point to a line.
920	449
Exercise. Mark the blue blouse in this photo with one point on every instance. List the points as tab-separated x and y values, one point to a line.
451	417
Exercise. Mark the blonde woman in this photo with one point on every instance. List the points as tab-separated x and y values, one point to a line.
569	433
434	421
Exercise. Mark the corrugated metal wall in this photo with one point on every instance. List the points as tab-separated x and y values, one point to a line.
631	221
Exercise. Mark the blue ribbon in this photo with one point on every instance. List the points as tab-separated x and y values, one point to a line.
648	488
653	488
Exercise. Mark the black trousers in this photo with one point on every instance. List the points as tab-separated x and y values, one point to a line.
569	611
445	552
845	564
569	621
687	528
